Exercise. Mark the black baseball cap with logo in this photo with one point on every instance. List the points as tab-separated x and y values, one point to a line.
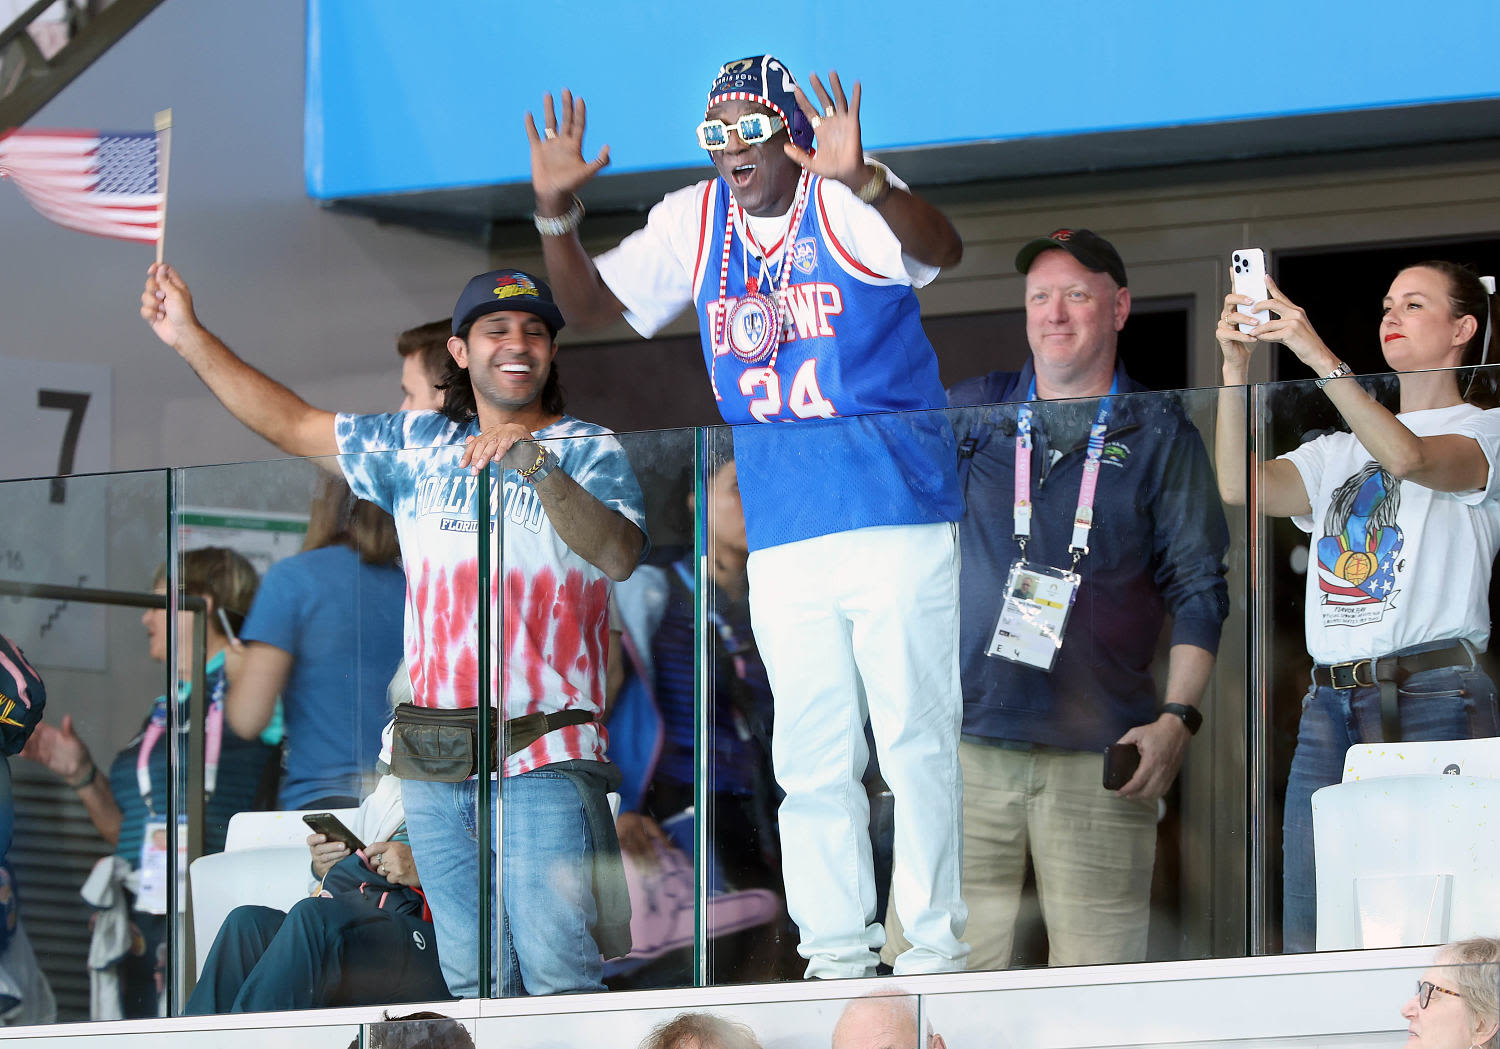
1090	249
506	290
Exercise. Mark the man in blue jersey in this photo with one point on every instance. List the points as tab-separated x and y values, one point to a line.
1034	733
800	268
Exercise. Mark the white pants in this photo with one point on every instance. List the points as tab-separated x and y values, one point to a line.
854	624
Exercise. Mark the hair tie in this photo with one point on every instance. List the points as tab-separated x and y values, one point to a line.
1489	290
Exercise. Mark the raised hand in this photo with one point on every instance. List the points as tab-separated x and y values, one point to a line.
558	169
841	151
167	304
1292	329
1237	346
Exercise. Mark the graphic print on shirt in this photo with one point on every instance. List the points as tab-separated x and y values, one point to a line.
1360	551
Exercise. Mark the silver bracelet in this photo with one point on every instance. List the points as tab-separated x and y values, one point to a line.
1337	373
560	225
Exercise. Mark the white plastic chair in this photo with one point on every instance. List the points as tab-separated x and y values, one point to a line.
264	862
1408	851
1450	757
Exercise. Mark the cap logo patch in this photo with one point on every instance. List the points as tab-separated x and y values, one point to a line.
743	65
1062	234
511	285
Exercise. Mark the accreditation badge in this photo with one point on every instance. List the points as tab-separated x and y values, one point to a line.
1038	601
151	895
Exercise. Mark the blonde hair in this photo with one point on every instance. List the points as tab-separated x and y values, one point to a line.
1475	964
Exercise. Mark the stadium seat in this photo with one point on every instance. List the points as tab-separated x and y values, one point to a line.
1406	851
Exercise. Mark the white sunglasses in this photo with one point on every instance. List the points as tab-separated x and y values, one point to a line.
753	129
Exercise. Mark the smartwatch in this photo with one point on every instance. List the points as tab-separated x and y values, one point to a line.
1192	717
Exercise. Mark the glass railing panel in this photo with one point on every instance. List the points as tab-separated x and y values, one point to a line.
749	935
1375	594
1045	660
76	571
844	1023
303	669
596	633
1347	1005
283	1036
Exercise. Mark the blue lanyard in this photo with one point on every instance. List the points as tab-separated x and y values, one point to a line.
1083	517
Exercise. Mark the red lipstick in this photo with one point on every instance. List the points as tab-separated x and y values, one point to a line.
1394	335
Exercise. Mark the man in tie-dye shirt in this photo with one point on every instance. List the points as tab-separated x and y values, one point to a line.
568	520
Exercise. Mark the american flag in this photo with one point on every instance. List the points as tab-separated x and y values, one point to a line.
100	182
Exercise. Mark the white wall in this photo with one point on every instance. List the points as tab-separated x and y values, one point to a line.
314	298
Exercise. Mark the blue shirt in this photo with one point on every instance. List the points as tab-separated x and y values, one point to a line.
340	620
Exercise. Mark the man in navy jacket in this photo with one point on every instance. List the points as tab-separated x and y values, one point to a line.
1032	737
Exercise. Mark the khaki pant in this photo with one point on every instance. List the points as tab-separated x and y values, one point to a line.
1093	853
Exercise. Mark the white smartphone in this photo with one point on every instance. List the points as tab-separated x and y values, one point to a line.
1248	274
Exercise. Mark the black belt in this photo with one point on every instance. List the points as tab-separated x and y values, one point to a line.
1389	673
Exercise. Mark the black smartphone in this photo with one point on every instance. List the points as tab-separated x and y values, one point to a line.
1120	762
332	828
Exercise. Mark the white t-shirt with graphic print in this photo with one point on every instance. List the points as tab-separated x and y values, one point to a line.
1393	564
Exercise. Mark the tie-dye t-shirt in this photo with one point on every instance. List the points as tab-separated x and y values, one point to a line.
555	608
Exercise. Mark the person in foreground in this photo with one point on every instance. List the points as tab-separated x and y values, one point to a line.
1404	512
572	523
883	1020
1457	1002
801	268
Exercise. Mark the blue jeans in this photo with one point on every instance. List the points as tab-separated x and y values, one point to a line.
1446	703
544	943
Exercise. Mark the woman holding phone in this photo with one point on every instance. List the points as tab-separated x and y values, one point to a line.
1404	513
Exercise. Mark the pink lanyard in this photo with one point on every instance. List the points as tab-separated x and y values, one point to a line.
213	739
1083	517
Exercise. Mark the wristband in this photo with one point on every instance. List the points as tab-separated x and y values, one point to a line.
93	772
1191	717
545	463
560	225
876	188
1337	373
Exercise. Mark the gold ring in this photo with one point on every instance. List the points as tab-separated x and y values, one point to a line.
550	132
815	121
829	111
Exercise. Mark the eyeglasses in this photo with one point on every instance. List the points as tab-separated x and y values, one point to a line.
1425	989
753	129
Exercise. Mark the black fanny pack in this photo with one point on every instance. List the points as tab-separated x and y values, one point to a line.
428	743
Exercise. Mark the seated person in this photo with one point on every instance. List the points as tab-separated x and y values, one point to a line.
700	1031
129	805
1457	1004
365	938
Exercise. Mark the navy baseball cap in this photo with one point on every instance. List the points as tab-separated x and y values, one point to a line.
506	290
763	79
1090	249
